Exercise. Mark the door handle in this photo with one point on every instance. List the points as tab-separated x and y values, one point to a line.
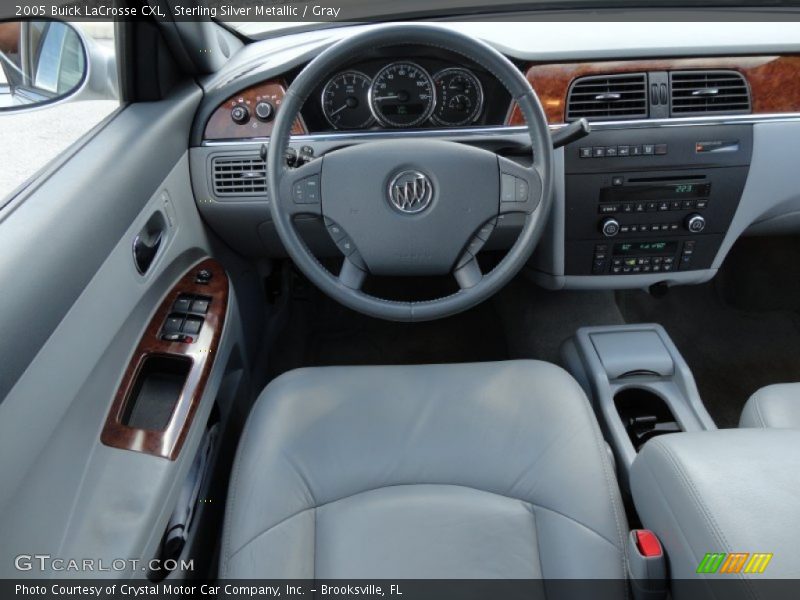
145	248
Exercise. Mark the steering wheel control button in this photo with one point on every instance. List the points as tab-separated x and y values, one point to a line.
306	191
513	188
335	231
264	111
346	245
240	114
486	230
312	189
508	188
521	190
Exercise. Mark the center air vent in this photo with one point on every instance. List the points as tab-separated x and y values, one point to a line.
239	176
605	97
700	92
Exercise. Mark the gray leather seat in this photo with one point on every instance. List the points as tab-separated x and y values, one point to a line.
493	470
775	407
725	491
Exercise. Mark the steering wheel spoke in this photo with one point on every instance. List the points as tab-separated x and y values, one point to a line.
468	272
353	272
520	187
301	189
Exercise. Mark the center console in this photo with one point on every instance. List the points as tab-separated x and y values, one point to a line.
639	384
652	200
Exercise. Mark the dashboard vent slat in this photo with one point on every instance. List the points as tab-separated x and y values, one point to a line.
700	92
599	97
239	176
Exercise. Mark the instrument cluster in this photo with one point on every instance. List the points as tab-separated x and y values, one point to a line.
402	94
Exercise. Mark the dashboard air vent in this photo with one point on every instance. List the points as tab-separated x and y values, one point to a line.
239	176
604	97
699	92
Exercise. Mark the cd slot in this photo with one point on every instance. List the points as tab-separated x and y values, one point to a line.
690	177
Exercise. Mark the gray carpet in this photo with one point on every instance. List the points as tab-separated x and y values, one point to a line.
537	321
737	333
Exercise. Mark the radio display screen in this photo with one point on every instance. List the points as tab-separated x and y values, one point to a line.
645	248
661	191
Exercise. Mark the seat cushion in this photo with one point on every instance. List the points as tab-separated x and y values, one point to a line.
775	406
491	470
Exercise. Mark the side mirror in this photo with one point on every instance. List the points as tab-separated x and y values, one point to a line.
48	61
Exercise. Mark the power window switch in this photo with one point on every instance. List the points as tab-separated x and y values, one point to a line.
192	326
182	304
200	306
173	324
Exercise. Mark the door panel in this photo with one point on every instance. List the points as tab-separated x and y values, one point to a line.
61	230
73	310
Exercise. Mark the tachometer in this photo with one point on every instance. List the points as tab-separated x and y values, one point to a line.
345	101
402	95
459	97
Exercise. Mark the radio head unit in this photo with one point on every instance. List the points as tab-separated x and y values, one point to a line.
651	212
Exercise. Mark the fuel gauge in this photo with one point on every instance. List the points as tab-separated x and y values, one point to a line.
459	97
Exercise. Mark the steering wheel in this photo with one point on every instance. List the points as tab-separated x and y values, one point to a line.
411	206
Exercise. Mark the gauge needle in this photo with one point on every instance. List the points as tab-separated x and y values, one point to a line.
393	97
338	110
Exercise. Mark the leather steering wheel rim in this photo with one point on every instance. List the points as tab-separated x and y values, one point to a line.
278	173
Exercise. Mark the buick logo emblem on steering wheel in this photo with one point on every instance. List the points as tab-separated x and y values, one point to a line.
410	192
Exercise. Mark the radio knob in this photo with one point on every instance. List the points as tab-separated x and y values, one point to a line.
240	114
695	223
610	227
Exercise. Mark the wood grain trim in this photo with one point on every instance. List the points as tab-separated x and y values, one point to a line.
221	126
167	443
774	80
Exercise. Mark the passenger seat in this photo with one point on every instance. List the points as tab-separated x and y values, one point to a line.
774	407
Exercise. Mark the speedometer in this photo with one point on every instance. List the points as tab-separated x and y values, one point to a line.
402	95
459	97
344	101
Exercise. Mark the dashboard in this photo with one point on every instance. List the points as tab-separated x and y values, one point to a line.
397	88
691	146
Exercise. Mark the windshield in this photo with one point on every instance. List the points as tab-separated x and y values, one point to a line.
255	19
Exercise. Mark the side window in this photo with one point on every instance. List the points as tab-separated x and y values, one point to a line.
57	81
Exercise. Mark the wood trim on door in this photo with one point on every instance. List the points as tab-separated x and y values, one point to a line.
774	80
202	351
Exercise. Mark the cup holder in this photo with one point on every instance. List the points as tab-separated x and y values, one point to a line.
644	415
